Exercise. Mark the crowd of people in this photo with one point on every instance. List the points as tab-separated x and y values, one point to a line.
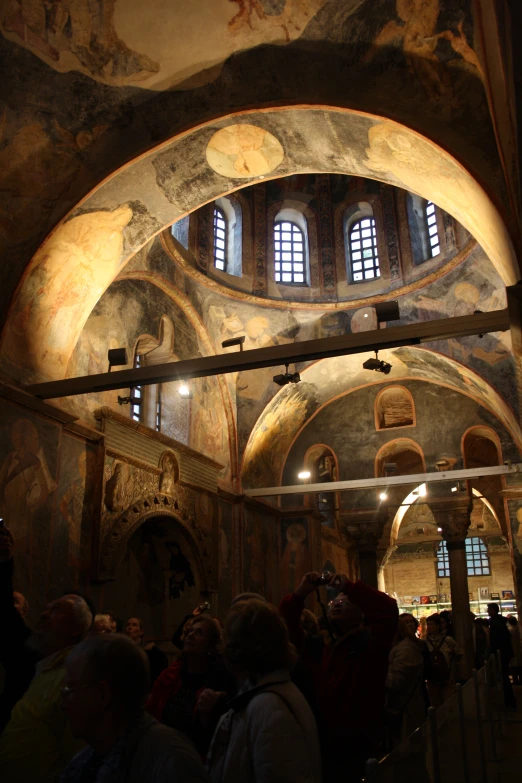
276	695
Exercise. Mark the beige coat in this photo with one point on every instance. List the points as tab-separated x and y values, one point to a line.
268	736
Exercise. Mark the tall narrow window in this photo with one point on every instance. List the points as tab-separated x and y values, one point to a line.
158	409
289	253
433	231
220	239
364	256
443	568
136	407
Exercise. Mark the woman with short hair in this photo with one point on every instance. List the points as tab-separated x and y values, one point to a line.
191	693
269	732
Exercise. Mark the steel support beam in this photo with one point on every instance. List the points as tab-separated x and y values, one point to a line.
289	353
384	483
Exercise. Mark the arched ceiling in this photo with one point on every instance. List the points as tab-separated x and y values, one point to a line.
85	252
294	405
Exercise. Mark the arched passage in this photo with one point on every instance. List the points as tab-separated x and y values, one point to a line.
157	575
85	252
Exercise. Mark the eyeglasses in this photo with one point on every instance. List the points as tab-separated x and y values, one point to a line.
338	603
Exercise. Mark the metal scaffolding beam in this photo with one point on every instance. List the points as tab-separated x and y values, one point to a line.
289	353
384	483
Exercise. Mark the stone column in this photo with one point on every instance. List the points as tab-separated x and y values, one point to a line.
453	516
512	497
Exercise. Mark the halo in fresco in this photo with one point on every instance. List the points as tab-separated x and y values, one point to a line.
244	151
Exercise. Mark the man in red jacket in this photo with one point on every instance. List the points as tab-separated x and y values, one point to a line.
350	672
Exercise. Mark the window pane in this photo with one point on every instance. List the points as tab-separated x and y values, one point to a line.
287	278
278	266
356	245
278	277
367	243
357	266
287	267
277	246
432	230
366	222
299	278
356	256
367	232
286	226
436	250
298	257
368	264
298	247
298	268
287	256
369	273
358	276
287	246
286	236
367	253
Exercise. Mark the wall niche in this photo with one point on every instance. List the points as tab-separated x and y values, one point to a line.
394	407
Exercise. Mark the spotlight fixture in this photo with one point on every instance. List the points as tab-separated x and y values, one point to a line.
377	364
383	496
286	377
184	391
389	468
304	474
234	341
439	530
117	357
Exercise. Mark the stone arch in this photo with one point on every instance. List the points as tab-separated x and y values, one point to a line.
394	407
472	436
115	540
407	454
326	503
480	446
88	249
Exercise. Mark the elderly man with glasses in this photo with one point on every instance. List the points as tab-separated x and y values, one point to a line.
103	697
349	671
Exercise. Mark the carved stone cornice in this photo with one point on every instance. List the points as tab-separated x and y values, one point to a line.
365	529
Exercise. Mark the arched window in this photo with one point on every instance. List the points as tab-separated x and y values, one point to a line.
433	232
394	408
364	255
477	558
220	239
289	253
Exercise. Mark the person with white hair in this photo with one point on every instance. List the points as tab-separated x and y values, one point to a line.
37	743
104	691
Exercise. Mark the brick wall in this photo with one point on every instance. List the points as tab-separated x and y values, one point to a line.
418	576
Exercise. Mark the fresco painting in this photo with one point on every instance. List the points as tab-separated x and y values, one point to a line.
295	559
28	471
225	556
259	554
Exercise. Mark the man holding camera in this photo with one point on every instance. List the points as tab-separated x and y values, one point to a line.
349	672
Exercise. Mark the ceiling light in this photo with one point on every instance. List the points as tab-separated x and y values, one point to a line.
184	391
377	365
366	315
304	474
383	496
454	489
439	529
286	377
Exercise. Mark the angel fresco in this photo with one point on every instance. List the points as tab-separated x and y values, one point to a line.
416	33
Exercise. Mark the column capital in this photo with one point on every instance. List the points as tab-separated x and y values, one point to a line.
453	516
366	528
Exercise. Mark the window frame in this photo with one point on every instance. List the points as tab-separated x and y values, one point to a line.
219	216
476	552
430	217
278	254
357	226
136	409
